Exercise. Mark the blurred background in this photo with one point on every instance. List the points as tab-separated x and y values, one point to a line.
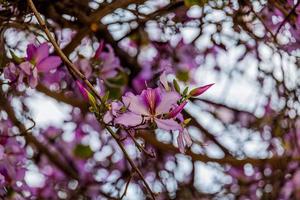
245	129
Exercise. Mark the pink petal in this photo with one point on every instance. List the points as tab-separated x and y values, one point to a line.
26	67
48	64
135	104
41	52
33	79
2	180
127	98
167	124
108	117
174	112
115	107
187	138
167	101
151	98
109	73
100	49
31	49
129	119
180	142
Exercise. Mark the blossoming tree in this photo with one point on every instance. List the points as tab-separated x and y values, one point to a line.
133	73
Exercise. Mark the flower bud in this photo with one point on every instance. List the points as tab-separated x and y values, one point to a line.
100	49
86	94
177	110
200	90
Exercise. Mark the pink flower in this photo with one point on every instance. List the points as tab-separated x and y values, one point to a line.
37	60
110	64
39	57
150	105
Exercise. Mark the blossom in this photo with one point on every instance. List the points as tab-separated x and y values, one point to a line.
86	94
37	60
39	57
109	62
150	105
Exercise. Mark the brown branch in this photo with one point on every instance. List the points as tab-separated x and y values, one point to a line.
287	17
76	40
62	98
209	135
164	147
160	12
94	18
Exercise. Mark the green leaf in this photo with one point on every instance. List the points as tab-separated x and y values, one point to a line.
83	151
176	86
92	99
185	91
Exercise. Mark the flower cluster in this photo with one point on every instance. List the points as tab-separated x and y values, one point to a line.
27	69
104	62
159	107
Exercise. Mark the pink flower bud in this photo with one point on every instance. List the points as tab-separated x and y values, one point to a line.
100	49
86	94
82	90
177	110
198	91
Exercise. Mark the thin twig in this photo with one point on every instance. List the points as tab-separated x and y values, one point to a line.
287	17
139	146
126	187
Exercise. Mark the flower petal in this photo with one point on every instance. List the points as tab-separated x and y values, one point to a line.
151	98
33	79
49	63
180	142
26	67
167	100
175	111
187	138
129	119
135	104
41	52
167	124
108	117
31	49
